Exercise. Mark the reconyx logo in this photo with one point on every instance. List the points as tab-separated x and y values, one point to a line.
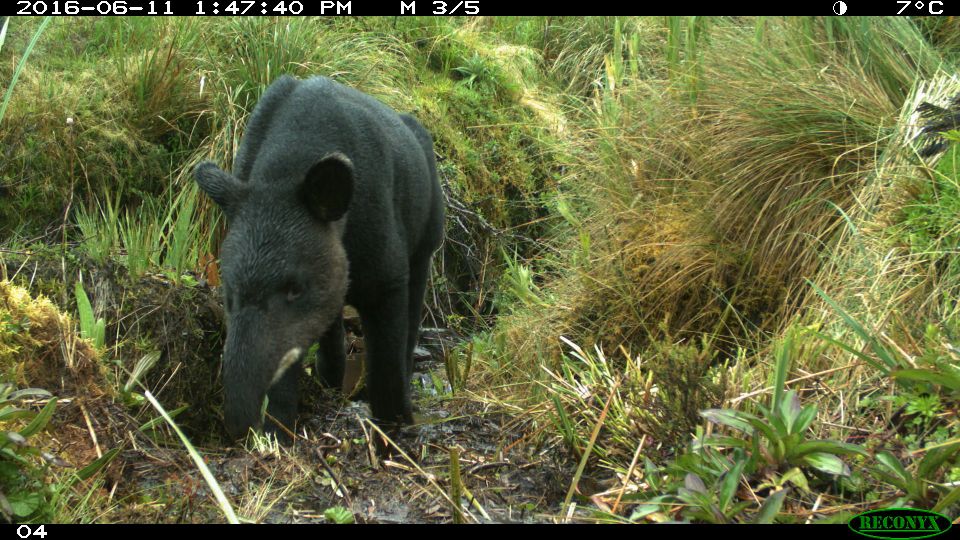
899	523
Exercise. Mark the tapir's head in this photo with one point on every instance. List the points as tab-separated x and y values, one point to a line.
284	274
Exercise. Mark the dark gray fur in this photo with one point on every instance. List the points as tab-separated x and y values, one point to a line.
334	198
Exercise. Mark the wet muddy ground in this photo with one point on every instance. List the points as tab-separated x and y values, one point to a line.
507	479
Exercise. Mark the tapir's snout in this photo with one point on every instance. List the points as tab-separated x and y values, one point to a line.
255	360
245	373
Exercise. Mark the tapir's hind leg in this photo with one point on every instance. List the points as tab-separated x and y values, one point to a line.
419	274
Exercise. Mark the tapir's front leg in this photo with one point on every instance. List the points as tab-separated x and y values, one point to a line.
332	356
385	337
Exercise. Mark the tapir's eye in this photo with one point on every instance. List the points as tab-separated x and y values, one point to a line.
293	290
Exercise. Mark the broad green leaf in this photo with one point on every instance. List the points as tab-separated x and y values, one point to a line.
827	463
805	418
763	427
724	441
10	412
99	333
5	507
790	410
893	464
934	458
85	310
771	507
694	483
781	367
40	421
796	477
779	424
729	486
833	447
892	479
15	438
736	419
25	503
651	473
643	511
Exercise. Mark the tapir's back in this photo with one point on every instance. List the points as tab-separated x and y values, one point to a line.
297	122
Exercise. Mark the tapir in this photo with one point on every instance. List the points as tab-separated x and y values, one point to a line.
333	198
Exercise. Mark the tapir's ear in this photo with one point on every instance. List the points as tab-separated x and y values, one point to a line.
224	189
328	187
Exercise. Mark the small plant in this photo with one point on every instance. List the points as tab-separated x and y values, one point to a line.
476	70
94	330
99	230
339	515
25	490
140	241
778	437
456	375
704	485
181	242
518	284
719	505
146	362
919	486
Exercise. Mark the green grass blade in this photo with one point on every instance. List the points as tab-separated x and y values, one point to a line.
885	356
92	468
3	32
781	367
21	63
152	423
939	378
218	494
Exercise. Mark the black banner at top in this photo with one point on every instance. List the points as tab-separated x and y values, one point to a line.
471	8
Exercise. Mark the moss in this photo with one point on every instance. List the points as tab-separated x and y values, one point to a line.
40	345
